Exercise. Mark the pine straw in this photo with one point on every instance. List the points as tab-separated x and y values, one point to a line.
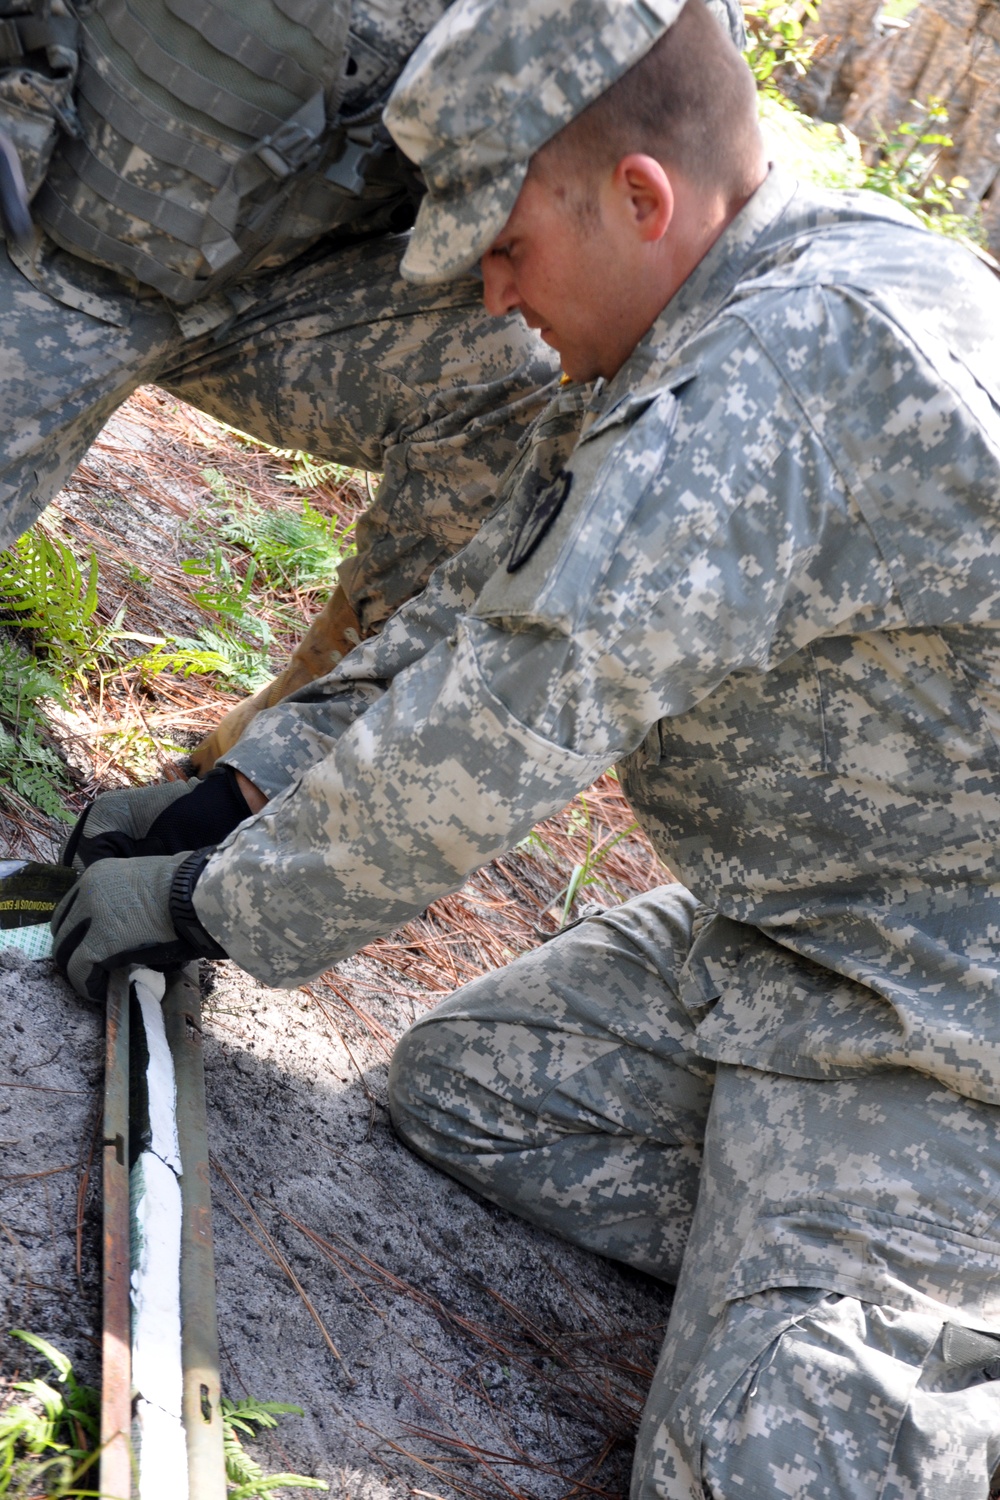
578	1388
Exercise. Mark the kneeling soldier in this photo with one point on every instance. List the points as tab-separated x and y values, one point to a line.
756	564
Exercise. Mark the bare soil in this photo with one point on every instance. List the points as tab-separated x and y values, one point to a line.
475	1354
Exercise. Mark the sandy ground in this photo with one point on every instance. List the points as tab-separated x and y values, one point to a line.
476	1356
459	1329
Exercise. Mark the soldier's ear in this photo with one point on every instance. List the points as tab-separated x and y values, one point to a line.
645	195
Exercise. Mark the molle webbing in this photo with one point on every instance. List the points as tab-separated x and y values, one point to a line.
204	126
53	33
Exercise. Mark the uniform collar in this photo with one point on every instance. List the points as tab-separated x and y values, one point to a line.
705	291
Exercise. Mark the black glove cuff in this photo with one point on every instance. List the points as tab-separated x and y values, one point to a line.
205	816
180	904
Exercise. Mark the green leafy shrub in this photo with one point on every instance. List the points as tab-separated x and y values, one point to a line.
902	163
292	549
49	1441
44	589
906	171
775	38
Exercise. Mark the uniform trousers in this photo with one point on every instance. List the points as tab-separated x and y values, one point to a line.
336	355
835	1242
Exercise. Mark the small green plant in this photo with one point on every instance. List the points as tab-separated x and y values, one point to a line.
247	1479
29	766
775	36
224	592
902	163
34	771
906	171
44	589
49	1441
587	871
294	549
307	472
210	653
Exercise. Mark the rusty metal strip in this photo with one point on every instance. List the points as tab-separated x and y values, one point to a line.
116	1353
200	1342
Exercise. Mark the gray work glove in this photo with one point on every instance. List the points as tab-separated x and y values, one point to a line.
130	911
162	819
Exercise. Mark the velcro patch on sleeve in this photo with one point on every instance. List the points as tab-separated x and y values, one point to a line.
545	508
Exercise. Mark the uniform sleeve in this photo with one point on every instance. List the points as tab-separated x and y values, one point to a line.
703	532
304	728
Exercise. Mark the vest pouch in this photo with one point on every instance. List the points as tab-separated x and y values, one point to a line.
200	120
38	66
34	110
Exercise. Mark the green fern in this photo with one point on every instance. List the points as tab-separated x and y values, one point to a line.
210	653
48	1442
28	766
308	472
34	771
247	1479
292	548
224	592
44	589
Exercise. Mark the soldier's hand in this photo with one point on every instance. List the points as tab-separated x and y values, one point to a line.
162	819
130	911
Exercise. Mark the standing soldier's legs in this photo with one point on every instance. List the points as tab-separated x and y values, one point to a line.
69	356
341	357
338	356
559	1087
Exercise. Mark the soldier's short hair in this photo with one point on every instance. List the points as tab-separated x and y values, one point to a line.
690	102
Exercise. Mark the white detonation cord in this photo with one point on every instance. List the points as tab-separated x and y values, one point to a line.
155	1193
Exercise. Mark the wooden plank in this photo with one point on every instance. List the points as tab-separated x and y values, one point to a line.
116	1360
202	1415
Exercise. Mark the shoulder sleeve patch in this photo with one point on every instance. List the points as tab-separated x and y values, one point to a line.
544	509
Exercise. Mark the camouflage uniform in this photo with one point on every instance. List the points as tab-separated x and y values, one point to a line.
336	354
768	589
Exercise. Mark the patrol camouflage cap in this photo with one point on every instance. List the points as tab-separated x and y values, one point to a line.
492	82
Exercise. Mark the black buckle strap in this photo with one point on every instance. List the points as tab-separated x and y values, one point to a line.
349	171
297	141
11	48
54	34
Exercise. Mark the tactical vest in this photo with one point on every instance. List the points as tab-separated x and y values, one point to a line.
39	42
208	141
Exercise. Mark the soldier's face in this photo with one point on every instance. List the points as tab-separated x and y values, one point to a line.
569	274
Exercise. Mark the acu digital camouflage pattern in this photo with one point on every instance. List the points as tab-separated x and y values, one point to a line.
490	85
338	356
804	1356
771	595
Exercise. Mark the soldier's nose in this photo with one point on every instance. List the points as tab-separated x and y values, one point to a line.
499	290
